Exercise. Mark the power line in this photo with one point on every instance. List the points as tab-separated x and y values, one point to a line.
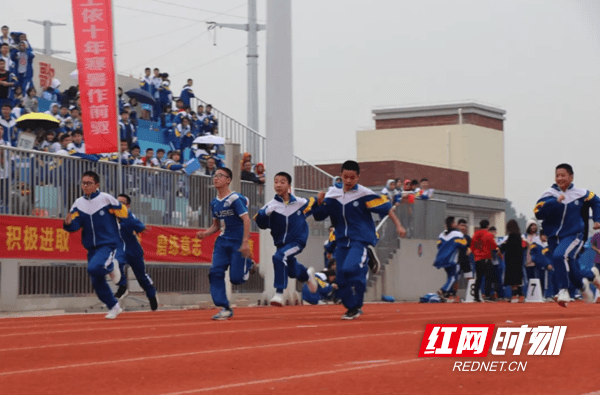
159	35
160	14
214	60
201	9
162	55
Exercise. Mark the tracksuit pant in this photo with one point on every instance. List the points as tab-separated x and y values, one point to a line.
226	254
100	263
351	273
285	265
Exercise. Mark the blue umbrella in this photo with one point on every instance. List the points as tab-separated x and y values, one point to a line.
141	95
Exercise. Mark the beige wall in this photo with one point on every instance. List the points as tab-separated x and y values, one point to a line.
471	148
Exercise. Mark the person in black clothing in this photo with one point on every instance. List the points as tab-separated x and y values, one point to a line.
464	255
513	250
248	175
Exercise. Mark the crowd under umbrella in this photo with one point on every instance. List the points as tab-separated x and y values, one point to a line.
141	95
37	120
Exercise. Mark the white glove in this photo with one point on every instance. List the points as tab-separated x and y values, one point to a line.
269	209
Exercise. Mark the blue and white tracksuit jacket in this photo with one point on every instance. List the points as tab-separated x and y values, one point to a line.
565	224
287	221
96	216
449	245
351	215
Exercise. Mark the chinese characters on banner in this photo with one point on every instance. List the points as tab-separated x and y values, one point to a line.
41	238
92	22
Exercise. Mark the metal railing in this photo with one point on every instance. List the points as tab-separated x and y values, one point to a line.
307	175
46	185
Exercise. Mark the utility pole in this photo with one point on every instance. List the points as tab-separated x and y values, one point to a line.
252	27
48	37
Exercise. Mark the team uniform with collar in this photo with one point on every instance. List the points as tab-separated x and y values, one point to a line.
96	216
132	254
350	214
565	224
449	245
287	221
229	211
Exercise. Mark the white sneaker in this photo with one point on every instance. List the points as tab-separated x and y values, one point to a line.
586	291
115	275
563	297
114	312
277	300
224	314
311	282
596	276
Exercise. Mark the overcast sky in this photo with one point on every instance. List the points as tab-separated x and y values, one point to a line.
538	60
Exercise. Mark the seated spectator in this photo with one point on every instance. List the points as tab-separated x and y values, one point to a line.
425	192
77	144
149	160
160	157
47	142
70	96
65	140
23	60
8	125
248	175
173	163
63	115
211	166
187	93
54	110
206	128
76	117
30	102
259	170
52	93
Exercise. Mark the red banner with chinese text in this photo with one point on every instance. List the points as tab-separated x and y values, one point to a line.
43	238
92	22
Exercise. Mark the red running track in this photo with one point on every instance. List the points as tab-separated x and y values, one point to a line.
289	350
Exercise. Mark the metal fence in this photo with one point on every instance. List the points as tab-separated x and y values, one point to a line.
46	185
306	175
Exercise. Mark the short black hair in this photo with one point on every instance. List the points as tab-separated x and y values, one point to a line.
462	221
484	223
149	149
92	174
77	132
123	141
228	171
424	179
493	229
63	136
160	150
2	60
134	146
3	45
449	222
567	167
147	68
123	111
286	175
351	165
127	198
6	104
414	182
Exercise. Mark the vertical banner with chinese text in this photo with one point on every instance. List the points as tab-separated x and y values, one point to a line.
92	22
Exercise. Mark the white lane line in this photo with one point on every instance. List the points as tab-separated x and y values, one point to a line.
207	321
296	376
148	358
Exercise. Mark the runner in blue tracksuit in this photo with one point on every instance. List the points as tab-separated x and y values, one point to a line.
96	213
450	242
286	216
350	206
232	247
133	255
564	211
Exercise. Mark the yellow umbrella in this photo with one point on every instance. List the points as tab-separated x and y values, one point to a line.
37	120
